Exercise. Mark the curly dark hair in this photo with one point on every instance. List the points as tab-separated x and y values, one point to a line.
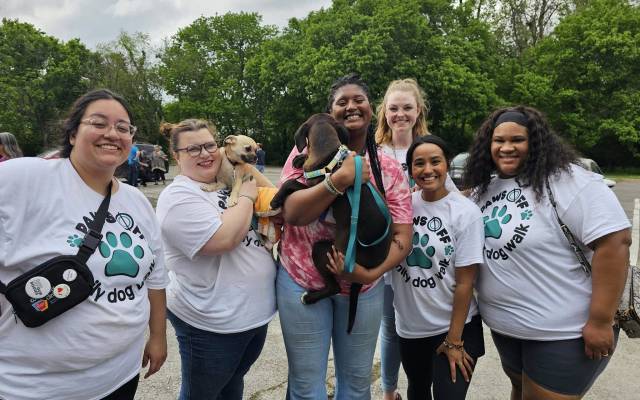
371	146
548	153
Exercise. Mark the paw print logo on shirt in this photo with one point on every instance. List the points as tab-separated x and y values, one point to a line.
75	240
526	215
448	250
123	257
493	224
421	252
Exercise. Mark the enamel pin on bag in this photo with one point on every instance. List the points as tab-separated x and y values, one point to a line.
58	284
626	316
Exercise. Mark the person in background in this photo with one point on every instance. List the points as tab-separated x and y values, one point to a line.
222	291
133	161
9	147
436	313
402	118
309	330
96	349
158	166
552	323
261	157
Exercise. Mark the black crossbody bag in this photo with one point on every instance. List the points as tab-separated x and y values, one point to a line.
58	284
627	316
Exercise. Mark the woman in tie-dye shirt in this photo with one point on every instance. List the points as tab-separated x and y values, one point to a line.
309	330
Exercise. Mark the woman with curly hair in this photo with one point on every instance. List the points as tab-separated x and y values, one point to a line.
552	323
309	330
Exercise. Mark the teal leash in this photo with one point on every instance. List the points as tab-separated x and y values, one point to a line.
353	194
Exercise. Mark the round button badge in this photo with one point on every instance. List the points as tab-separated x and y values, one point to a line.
61	291
37	287
69	275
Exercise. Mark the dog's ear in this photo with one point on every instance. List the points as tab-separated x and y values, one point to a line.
299	160
301	136
231	139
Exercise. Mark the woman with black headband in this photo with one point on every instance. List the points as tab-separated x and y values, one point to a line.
552	323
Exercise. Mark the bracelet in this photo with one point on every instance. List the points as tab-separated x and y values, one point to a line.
450	345
248	197
328	184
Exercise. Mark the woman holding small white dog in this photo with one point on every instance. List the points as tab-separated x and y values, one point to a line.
222	291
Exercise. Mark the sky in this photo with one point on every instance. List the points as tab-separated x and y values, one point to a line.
100	21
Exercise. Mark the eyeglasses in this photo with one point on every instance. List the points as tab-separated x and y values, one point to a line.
102	125
194	150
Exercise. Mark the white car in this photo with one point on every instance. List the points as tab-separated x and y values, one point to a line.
592	166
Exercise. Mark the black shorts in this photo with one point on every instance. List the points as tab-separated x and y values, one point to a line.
560	366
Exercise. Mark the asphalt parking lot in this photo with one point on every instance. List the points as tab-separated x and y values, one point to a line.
268	377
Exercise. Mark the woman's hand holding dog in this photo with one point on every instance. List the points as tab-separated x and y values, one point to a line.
345	175
249	188
360	274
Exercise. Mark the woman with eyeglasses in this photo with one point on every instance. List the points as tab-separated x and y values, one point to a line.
94	350
222	291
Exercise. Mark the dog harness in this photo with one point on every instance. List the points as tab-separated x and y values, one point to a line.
342	152
353	194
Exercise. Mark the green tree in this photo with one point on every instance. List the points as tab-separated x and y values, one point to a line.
39	78
450	53
585	76
204	66
126	67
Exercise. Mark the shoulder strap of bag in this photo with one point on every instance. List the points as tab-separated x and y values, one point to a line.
92	238
582	259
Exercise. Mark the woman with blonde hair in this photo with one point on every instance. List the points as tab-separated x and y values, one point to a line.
9	147
402	117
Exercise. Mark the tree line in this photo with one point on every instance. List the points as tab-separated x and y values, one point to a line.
577	60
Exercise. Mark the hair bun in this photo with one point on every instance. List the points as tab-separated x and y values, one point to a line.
166	128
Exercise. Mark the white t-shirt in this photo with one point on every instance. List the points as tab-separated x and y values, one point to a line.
96	347
448	233
225	293
532	286
400	155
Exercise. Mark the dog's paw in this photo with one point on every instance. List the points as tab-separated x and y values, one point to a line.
212	187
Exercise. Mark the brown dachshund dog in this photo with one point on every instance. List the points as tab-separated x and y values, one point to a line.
322	136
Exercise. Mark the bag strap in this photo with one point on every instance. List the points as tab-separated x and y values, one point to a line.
582	259
92	238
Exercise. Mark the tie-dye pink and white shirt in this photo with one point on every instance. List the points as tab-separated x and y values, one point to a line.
297	241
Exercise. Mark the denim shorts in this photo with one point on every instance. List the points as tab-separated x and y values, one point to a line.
560	366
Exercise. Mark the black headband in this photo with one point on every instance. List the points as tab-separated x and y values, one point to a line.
512	116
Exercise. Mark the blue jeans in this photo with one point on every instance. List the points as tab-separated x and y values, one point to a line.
132	179
389	344
214	364
308	330
260	167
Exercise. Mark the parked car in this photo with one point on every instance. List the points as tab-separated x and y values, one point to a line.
50	154
593	166
456	169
